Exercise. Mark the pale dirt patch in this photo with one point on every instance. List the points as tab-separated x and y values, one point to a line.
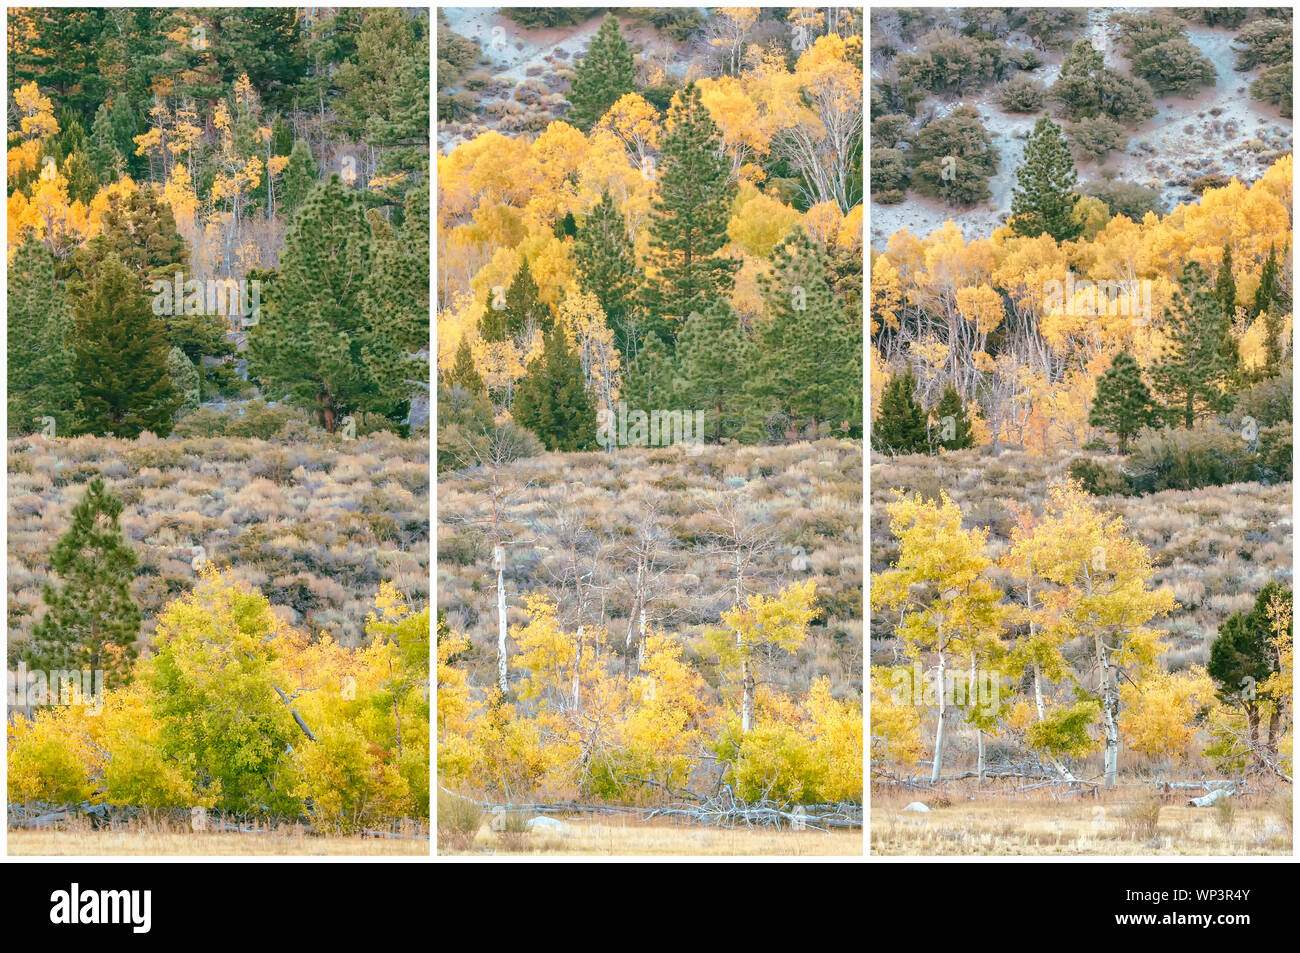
1173	158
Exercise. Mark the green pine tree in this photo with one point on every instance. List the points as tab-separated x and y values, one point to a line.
42	362
952	427
552	400
602	257
900	427
521	310
1267	291
713	363
1243	657
688	222
104	157
1123	404
1270	302
397	287
140	229
649	381
602	76
464	372
1192	372
185	378
810	354
83	182
298	179
317	340
92	621
121	346
1044	196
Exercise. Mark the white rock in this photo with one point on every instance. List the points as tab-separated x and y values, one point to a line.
548	824
918	807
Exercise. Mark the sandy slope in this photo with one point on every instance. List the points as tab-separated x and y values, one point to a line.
1161	152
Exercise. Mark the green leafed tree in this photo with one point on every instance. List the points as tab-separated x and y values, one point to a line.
602	76
552	400
1123	404
1045	192
92	620
216	700
42	379
121	353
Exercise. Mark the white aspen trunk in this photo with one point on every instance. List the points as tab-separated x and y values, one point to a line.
640	646
938	730
1109	706
1038	690
640	601
499	555
577	673
979	732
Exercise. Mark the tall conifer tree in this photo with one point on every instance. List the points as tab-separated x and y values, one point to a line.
602	76
121	346
688	224
1123	404
1191	373
1044	197
93	621
42	362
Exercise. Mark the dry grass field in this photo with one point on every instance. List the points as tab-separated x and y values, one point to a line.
316	525
168	837
625	837
175	844
1125	823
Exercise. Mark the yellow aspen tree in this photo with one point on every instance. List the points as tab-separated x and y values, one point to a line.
939	587
1159	713
1100	595
762	622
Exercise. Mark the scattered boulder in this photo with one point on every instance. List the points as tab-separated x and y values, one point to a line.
549	824
918	807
